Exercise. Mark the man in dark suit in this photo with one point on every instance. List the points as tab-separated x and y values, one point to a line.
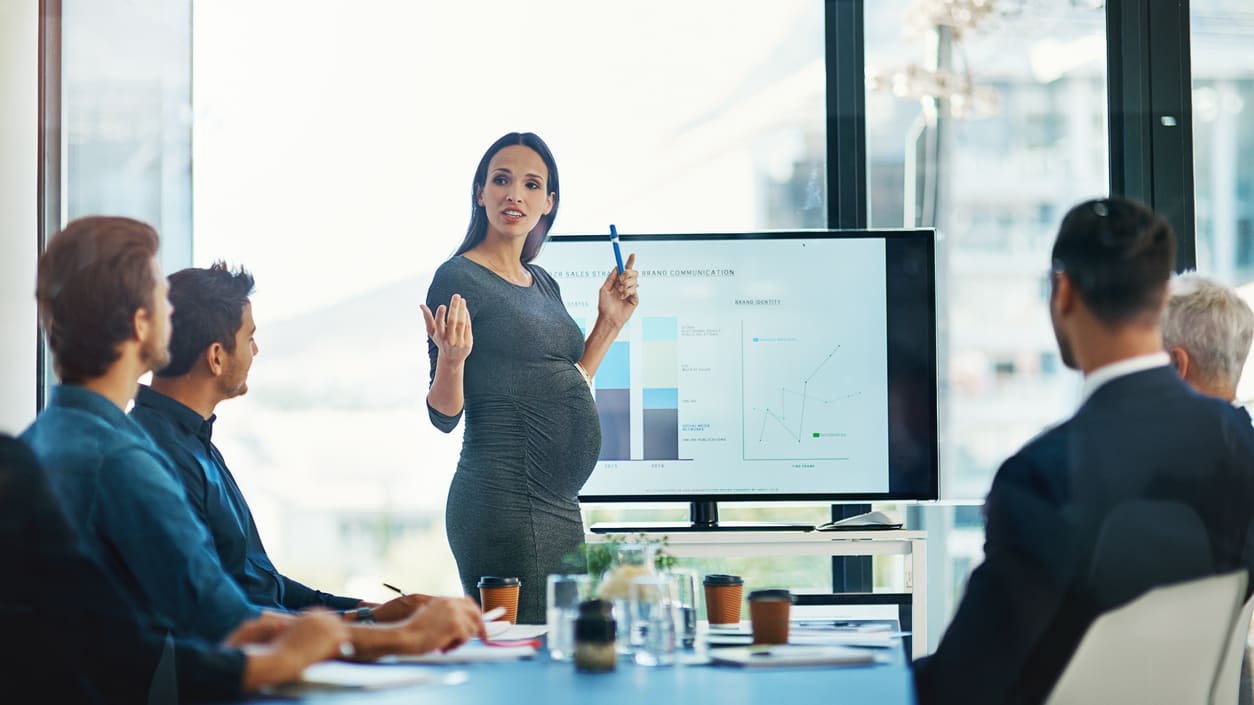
1139	434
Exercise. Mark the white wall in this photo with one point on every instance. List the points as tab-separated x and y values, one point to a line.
19	107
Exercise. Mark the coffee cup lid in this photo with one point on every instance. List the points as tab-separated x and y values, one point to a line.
491	581
771	596
720	579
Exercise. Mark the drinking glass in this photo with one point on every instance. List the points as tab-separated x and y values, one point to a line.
564	593
654	607
686	595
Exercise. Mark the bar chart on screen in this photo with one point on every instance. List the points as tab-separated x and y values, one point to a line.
641	424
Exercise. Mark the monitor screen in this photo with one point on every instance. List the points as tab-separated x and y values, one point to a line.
776	365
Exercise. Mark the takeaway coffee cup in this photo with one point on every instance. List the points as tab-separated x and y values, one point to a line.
722	598
769	611
500	592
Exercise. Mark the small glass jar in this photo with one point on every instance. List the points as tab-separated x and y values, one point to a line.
594	637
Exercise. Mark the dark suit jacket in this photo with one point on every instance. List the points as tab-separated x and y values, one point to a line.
1141	436
70	634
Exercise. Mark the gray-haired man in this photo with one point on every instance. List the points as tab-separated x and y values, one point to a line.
1207	330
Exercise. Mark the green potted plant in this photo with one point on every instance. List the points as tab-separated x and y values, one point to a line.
614	562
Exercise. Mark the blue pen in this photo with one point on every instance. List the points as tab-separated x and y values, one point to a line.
618	254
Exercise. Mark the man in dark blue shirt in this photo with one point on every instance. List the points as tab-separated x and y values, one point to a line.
211	350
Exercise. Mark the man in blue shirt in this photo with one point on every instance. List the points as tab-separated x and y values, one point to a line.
98	634
60	647
108	323
211	350
103	306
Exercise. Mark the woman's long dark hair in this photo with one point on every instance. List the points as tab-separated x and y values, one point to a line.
478	228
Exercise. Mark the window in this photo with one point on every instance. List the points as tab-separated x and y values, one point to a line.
126	106
334	150
1223	145
988	127
989	138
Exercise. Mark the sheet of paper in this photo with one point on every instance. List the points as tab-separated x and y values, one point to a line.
368	675
520	631
862	626
875	640
495	629
472	652
791	655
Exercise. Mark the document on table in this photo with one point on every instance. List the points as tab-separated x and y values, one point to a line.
330	676
764	656
470	652
880	640
879	634
518	632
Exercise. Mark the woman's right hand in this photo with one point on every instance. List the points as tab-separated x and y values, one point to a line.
449	329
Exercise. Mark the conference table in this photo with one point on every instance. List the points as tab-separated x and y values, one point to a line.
540	680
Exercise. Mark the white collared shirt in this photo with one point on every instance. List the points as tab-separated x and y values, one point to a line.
1115	370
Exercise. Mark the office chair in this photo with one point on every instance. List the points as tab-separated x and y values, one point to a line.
1228	682
1232	685
1165	618
1164	648
1143	544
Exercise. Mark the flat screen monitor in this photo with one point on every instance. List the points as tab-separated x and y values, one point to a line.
763	366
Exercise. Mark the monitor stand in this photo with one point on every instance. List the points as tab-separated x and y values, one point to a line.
704	517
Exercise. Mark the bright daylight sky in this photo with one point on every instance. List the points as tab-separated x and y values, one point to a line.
334	148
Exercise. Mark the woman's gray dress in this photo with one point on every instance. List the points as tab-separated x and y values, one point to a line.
532	434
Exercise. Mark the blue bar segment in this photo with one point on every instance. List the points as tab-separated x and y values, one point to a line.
615	369
661	398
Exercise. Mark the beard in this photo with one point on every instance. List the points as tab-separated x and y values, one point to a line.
233	384
155	354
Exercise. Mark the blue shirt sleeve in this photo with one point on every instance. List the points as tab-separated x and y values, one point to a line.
143	513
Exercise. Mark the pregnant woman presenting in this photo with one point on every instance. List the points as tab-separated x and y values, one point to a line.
506	354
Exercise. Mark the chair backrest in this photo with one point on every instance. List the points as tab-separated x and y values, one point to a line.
1146	543
1228	682
1164	647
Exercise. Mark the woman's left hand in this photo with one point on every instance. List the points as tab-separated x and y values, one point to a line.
619	296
